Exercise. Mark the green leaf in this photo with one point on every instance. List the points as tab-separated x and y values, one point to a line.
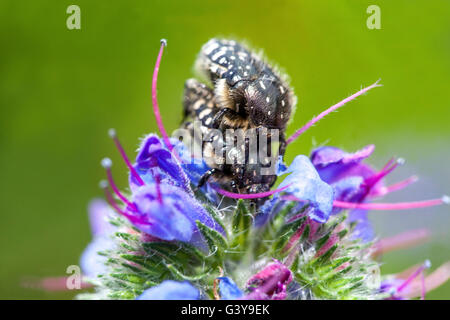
327	255
214	239
241	225
215	215
129	277
120	294
180	276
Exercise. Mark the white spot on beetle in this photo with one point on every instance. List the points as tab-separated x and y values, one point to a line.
197	104
211	47
217	55
204	113
262	85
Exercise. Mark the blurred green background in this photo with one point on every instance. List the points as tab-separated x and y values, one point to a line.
60	90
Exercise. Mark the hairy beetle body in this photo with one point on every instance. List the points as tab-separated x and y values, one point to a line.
246	94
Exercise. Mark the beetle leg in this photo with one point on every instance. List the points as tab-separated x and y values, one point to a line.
206	177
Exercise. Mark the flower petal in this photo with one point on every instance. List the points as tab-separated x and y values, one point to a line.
228	289
171	290
154	159
173	219
306	185
333	163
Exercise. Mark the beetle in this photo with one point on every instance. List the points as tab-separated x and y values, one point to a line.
242	92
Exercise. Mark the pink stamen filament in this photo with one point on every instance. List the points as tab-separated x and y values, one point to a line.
402	240
53	284
390	206
159	122
388	168
250	195
432	281
423	291
426	265
113	135
116	190
395	187
388	164
107	163
112	203
329	110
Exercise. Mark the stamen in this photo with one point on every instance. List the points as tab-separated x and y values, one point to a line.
250	195
53	284
434	280
329	110
110	199
392	206
107	163
422	280
159	122
395	187
426	265
388	168
113	204
400	241
112	133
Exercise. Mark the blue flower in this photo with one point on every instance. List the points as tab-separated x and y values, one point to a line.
154	160
306	185
169	213
228	289
352	180
92	264
363	229
333	163
177	167
171	290
194	169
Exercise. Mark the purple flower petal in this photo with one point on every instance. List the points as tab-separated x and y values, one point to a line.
153	160
333	163
269	283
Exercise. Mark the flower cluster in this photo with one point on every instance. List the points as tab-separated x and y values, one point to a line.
167	239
